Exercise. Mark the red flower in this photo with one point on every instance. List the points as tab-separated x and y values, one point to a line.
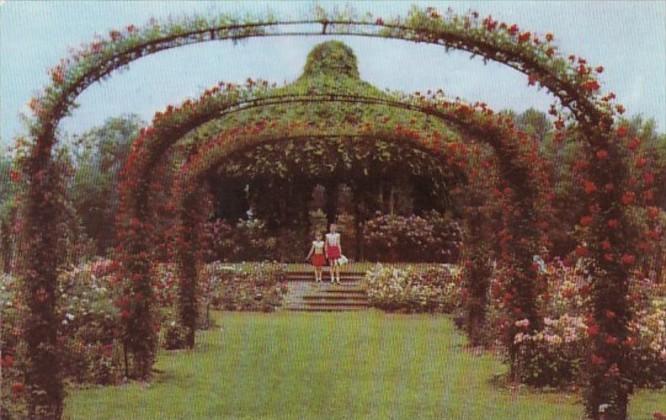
586	220
379	21
622	130
582	69
589	187
7	361
490	23
608	257
620	109
15	176
648	177
606	245
602	154
524	37
611	340
634	143
591	85
549	37
17	388
613	223
600	69
513	29
628	198
609	187
598	360
628	259
125	314
582	251
593	330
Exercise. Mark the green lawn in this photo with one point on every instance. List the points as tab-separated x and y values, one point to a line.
330	366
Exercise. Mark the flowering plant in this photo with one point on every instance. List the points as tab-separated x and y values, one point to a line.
434	288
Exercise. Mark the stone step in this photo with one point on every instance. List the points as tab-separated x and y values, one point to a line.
326	277
302	308
330	288
332	294
341	302
335	298
327	269
326	297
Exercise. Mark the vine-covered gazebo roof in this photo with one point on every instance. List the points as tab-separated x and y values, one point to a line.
331	68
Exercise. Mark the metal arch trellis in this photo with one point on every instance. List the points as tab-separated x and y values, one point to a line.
594	115
511	170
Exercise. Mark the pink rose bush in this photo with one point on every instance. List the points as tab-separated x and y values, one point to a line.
559	351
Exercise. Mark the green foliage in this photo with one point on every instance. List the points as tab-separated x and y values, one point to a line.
100	155
536	123
332	58
318	222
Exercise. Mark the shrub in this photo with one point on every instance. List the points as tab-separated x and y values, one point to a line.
89	325
432	238
556	354
175	335
87	334
553	356
434	289
248	240
247	287
12	403
649	352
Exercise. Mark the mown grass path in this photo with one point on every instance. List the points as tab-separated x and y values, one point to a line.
366	365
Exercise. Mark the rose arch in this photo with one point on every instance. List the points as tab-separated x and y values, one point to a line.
611	243
522	181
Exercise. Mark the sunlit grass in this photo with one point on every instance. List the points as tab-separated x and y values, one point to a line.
330	366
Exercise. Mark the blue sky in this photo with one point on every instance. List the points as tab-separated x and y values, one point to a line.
627	38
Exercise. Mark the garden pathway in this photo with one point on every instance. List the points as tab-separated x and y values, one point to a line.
306	295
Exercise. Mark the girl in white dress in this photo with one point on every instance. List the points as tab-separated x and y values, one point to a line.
334	252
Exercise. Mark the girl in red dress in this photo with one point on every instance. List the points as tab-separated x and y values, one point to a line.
334	252
316	256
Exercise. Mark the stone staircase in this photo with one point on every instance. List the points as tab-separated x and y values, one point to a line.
304	294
